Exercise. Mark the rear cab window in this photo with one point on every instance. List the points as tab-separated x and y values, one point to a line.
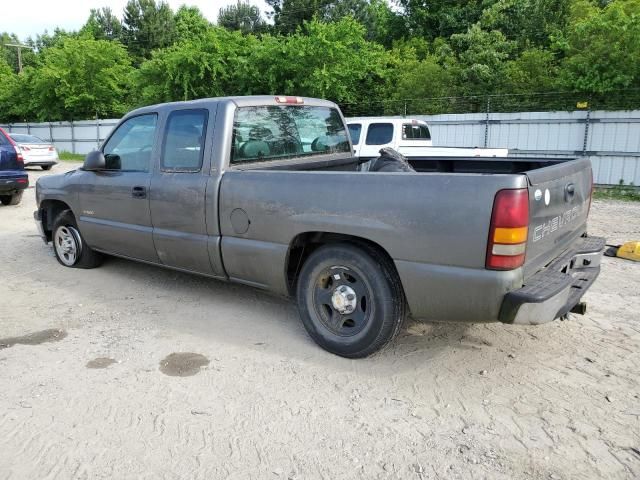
263	133
379	134
415	132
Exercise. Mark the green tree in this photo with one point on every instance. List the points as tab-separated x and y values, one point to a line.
216	64
102	24
478	59
242	16
528	22
9	82
289	15
441	18
600	48
382	24
79	78
329	60
190	23
147	26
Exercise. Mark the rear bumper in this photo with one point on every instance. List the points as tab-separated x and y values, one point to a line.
13	183
40	163
554	291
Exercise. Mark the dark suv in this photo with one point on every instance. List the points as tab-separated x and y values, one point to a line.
13	178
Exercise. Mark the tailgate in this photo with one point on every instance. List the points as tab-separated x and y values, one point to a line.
559	198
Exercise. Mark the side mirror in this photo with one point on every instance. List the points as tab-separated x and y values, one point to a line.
94	161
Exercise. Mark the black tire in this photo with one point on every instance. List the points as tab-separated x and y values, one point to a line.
68	245
14	199
378	308
46	167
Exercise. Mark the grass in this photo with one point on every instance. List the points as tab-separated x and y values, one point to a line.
628	193
70	157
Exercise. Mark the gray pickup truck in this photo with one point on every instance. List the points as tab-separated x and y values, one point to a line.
265	191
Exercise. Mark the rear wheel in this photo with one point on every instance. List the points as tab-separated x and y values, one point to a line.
69	246
350	303
14	199
46	167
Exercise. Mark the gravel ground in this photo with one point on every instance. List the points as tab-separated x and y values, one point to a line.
133	371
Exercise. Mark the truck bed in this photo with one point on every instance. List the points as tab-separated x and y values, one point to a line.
420	164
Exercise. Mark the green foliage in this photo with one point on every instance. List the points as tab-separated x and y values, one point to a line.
147	26
242	16
77	78
289	15
102	25
601	49
190	23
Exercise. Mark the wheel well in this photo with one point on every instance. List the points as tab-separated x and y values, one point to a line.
306	243
50	210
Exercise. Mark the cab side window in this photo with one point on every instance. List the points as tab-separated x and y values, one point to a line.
183	145
379	134
129	148
354	130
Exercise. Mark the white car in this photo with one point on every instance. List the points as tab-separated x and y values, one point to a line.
36	152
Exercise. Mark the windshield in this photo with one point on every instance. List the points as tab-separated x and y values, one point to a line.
23	138
280	132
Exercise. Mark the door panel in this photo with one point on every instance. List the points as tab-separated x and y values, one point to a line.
179	229
114	217
179	193
377	136
114	202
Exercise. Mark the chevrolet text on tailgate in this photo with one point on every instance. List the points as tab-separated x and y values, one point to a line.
266	191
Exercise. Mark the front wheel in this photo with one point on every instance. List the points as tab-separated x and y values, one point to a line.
11	199
69	246
350	299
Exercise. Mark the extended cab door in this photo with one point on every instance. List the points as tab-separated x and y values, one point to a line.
114	202
178	191
377	135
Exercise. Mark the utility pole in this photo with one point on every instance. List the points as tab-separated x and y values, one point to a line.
19	47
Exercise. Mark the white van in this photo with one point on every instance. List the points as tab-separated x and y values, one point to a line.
408	136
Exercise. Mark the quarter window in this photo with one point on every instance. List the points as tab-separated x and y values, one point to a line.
129	148
354	130
183	145
380	133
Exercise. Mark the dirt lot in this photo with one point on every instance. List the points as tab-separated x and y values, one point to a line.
93	384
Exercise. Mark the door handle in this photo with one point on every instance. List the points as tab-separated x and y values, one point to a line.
139	192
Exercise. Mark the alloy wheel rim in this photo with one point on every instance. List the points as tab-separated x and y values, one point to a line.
66	245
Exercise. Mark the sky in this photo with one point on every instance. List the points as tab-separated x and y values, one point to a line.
30	17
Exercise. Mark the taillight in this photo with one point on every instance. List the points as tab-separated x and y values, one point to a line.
19	156
509	229
51	149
